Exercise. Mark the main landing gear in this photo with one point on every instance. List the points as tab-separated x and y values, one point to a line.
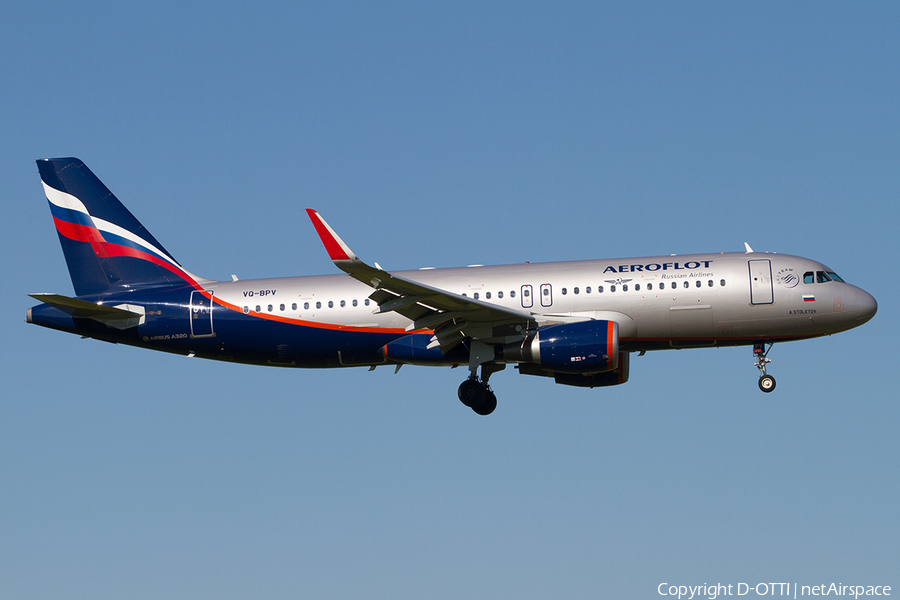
478	396
766	382
475	392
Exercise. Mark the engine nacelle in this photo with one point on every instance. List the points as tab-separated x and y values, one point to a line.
579	348
591	380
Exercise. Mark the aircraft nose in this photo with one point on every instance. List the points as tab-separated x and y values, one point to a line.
865	306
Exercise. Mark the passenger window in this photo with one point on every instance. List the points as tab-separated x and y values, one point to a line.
499	294
599	289
699	283
330	304
512	293
808	277
306	306
343	304
564	291
487	296
710	283
674	285
318	305
625	287
355	303
246	309
526	292
367	302
258	308
546	291
722	282
294	306
281	308
475	295
587	290
270	308
612	288
637	287
575	291
686	285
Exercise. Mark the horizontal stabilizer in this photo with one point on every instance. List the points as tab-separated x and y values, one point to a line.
121	316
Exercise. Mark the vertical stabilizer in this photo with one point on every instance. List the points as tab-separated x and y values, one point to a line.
104	245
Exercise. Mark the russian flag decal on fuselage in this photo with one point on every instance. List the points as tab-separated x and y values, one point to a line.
809	298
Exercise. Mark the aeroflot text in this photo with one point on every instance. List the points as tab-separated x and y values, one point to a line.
771	589
694	264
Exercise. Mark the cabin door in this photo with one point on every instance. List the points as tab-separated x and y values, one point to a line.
201	314
761	282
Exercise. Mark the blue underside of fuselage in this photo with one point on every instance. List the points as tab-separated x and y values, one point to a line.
232	336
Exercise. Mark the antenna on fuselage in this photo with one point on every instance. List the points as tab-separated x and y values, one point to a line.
749	249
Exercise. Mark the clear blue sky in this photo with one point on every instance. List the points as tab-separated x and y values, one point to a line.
445	135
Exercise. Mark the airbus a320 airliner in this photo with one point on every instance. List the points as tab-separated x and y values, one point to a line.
576	322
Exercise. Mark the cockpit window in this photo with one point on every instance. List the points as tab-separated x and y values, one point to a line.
821	277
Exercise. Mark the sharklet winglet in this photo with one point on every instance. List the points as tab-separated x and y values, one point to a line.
334	245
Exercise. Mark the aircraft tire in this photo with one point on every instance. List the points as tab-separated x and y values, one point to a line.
767	383
487	405
471	392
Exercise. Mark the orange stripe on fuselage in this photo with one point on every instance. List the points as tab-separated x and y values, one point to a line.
317	325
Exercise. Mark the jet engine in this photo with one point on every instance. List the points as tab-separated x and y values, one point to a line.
584	354
580	348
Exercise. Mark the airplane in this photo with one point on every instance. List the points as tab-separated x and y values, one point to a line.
576	322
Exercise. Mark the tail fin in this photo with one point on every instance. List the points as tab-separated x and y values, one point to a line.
104	245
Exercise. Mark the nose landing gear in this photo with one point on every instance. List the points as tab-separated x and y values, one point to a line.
766	382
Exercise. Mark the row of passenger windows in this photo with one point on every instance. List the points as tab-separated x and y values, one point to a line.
600	289
487	295
526	292
637	287
306	306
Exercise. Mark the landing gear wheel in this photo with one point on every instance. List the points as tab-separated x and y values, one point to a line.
767	383
472	393
487	405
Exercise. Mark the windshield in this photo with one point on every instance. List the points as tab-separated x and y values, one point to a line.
821	277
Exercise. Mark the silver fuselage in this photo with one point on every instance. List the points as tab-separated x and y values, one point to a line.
659	302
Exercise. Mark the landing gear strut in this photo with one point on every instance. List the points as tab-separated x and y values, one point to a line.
766	382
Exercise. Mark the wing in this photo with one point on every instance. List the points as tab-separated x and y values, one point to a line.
452	317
